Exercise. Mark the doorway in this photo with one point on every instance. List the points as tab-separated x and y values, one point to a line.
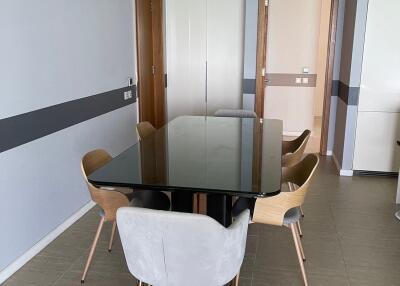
298	67
150	61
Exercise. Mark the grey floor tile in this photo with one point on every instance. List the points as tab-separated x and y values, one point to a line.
350	238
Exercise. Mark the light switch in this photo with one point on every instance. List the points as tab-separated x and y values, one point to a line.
298	80
127	94
305	80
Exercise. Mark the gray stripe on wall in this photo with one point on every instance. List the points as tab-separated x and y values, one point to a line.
249	86
21	129
335	88
348	94
289	79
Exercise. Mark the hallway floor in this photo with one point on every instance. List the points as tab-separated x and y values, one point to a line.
351	237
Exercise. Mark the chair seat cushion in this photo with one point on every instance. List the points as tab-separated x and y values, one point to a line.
149	199
291	216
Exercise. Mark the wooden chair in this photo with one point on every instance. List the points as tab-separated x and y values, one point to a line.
111	199
144	129
283	209
292	153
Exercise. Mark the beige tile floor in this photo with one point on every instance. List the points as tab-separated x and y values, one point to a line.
351	237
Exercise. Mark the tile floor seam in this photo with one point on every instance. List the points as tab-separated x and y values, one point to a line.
340	245
70	267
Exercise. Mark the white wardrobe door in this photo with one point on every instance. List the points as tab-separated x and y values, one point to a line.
376	137
186	57
225	48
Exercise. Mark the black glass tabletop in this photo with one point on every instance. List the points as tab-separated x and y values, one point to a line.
221	155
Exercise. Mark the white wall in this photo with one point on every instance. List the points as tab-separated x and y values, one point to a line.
293	34
378	123
54	51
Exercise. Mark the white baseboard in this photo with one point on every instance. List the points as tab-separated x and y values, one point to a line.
329	153
346	173
342	172
19	262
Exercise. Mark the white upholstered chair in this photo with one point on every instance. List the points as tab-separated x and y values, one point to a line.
179	249
240	113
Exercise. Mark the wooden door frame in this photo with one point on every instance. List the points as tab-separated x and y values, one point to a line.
330	61
159	118
261	61
261	57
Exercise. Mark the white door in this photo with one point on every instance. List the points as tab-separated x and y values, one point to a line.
292	45
186	36
225	51
204	50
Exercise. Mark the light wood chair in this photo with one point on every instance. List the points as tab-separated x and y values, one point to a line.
144	129
283	209
111	199
292	153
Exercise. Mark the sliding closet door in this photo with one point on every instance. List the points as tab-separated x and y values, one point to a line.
225	49
186	57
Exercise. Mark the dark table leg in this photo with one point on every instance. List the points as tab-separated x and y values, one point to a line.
182	202
219	207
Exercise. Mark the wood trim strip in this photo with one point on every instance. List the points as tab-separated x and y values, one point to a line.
329	78
261	57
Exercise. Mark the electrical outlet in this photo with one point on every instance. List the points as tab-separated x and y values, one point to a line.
298	80
305	80
127	94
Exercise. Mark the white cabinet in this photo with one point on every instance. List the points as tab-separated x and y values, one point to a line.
375	147
204	51
378	123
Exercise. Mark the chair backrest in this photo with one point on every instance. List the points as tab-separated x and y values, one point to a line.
272	210
108	200
179	249
144	129
240	113
293	151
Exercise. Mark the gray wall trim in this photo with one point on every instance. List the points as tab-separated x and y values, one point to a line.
335	88
289	79
249	86
21	129
349	95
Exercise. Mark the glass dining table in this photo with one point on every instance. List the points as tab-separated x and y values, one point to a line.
221	157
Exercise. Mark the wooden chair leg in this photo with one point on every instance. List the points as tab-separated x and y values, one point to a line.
300	245
237	279
112	236
299	229
91	253
301	210
298	250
